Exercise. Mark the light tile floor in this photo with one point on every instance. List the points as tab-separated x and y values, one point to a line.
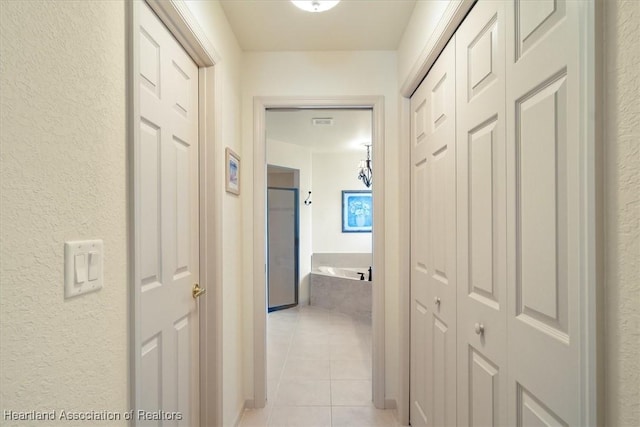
318	372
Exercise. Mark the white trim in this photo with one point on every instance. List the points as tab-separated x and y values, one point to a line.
176	16
447	26
248	404
210	249
376	103
404	284
133	150
597	398
592	201
389	404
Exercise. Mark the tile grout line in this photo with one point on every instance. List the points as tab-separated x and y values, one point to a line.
286	359
335	328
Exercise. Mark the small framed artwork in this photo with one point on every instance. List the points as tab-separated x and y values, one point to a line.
233	172
357	211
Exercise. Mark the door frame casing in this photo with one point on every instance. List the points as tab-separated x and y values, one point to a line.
181	23
591	169
260	106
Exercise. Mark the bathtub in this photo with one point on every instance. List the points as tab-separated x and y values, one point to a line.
340	289
344	272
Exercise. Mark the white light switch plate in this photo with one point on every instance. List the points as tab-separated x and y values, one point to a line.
82	267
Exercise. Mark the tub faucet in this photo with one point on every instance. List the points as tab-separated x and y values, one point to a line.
370	273
361	275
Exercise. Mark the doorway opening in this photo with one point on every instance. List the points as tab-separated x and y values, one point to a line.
326	231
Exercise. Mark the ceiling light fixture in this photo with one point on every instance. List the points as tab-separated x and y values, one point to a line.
365	173
315	5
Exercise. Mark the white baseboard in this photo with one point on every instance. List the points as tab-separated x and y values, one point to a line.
391	404
248	404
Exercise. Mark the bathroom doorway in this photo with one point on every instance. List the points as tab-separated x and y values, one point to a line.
293	156
319	333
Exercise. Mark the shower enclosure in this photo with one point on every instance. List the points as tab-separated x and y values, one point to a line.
282	248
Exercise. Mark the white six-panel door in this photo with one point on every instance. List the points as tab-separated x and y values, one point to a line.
167	212
433	243
544	213
507	279
481	210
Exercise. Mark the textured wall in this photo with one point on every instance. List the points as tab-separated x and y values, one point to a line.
622	211
63	164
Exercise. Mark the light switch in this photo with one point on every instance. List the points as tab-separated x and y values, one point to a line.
94	265
82	267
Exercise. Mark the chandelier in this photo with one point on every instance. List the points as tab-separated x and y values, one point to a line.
365	172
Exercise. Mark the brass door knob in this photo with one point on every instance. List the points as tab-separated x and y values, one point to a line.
197	290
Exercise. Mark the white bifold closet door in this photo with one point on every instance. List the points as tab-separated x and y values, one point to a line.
498	274
481	210
546	275
433	246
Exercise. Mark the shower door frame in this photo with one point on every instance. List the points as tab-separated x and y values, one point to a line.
260	106
296	237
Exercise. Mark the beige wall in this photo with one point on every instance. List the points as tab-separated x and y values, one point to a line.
325	74
332	173
282	179
423	22
63	177
216	27
297	157
622	212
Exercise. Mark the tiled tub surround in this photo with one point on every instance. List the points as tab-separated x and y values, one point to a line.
335	284
362	260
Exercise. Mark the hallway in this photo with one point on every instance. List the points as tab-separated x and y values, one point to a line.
75	151
318	371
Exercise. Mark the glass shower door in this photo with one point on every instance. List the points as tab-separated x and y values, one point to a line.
282	238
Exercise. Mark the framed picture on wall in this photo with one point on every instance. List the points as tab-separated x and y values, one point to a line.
232	182
357	211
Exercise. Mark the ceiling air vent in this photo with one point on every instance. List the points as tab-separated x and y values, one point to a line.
322	121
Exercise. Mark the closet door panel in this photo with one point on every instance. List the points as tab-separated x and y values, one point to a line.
420	313
544	222
481	211
433	246
420	259
442	214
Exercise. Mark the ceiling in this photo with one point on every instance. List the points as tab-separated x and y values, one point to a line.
350	129
277	25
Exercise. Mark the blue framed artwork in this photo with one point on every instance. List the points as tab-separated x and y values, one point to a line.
232	184
357	211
